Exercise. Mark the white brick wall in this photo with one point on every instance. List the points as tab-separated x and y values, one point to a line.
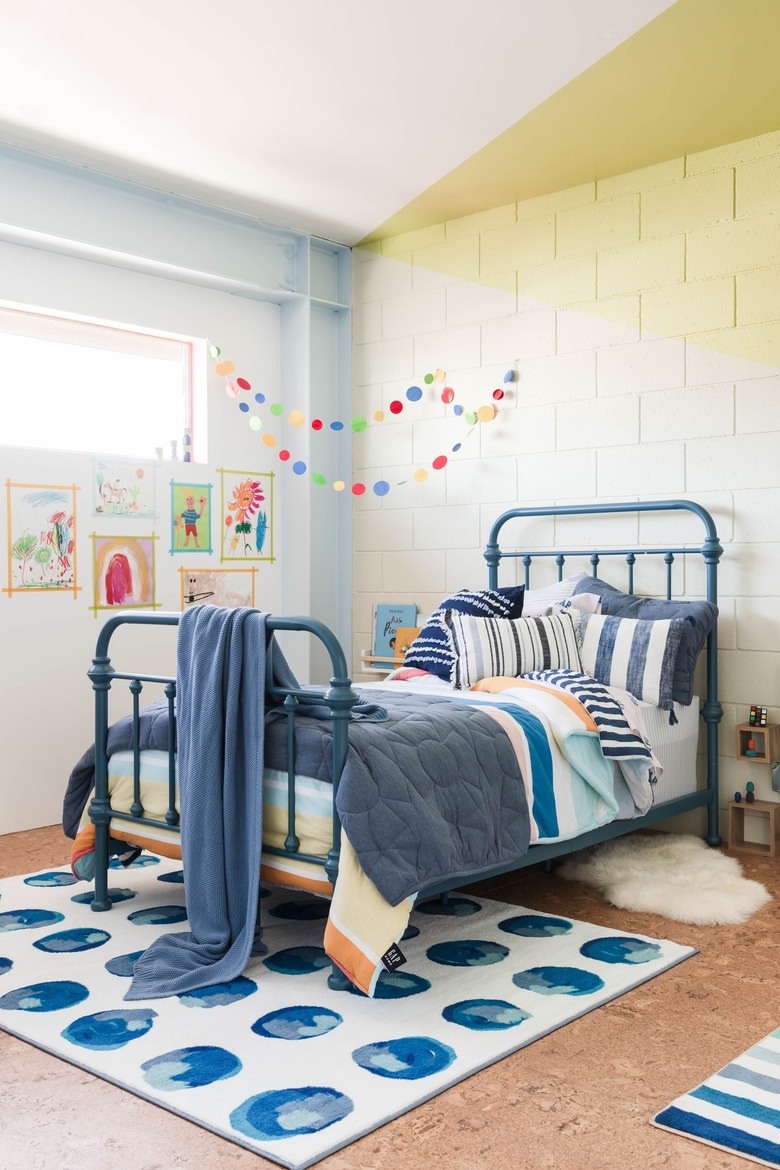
642	315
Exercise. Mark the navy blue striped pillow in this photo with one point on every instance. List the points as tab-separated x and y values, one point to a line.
432	651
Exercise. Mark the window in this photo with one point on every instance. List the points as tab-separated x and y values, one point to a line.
76	385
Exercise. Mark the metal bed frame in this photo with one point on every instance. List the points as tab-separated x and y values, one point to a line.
341	697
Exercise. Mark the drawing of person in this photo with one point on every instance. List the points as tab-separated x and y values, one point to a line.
191	518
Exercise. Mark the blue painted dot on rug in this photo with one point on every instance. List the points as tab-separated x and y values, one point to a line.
452	908
219	994
114	896
485	1015
467	952
65	942
283	1113
300	1022
558	981
314	911
5	965
621	950
535	926
141	862
399	985
28	919
44	997
158	916
190	1068
175	879
50	880
297	961
409	1058
107	1031
123	965
410	932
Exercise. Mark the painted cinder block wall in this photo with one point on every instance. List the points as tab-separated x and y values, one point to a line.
642	314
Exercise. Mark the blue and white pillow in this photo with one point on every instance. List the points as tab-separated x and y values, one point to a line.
637	656
496	647
431	650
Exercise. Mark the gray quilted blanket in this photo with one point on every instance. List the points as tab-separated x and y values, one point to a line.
432	793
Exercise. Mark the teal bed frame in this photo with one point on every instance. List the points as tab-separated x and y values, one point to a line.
341	697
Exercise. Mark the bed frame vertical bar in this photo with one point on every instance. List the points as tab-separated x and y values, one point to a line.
101	674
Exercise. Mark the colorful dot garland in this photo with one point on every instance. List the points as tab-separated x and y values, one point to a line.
235	386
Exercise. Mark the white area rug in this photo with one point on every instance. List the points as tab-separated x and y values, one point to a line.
673	874
274	1060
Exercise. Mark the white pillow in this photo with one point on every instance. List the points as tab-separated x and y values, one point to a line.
490	647
538	602
584	602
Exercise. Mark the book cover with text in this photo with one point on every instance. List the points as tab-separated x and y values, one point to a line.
389	618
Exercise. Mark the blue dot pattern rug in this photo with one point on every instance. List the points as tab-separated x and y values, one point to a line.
274	1060
737	1109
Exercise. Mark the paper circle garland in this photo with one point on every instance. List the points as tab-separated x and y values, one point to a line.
234	387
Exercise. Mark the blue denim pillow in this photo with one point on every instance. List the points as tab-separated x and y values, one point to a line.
431	650
699	618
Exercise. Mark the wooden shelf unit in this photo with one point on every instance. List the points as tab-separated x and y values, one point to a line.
766	739
737	842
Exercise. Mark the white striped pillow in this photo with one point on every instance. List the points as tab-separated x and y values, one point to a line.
487	647
637	656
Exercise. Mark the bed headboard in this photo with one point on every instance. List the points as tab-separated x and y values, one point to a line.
710	551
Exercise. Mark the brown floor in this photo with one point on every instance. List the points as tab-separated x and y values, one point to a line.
578	1099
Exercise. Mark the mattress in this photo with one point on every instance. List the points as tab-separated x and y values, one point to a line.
313	818
675	746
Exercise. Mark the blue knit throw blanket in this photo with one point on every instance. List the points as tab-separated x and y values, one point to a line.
221	665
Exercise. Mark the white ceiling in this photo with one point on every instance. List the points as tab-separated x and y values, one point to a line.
327	116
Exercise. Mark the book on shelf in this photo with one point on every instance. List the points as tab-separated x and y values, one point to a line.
388	619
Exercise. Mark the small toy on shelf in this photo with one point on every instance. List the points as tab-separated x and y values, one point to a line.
750	750
750	792
758	716
737	797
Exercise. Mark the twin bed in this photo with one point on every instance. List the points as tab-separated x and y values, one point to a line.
526	723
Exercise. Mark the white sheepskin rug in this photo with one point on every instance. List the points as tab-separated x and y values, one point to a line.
676	875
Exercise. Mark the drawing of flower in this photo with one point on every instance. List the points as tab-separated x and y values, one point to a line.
247	498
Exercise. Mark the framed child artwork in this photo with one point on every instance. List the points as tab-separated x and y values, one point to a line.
123	572
247	499
190	518
123	487
41	538
229	588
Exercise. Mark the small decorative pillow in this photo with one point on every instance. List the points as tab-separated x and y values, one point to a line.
637	656
484	648
539	602
699	618
431	649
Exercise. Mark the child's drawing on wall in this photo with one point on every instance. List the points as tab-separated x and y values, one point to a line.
229	588
190	517
41	538
247	509
122	487
123	571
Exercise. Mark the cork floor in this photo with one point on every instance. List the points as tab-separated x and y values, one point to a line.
578	1099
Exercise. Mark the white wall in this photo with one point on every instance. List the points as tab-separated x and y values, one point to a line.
47	640
642	315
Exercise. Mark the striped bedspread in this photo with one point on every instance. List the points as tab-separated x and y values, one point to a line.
569	782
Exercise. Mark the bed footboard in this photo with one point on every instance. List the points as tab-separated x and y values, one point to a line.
339	696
